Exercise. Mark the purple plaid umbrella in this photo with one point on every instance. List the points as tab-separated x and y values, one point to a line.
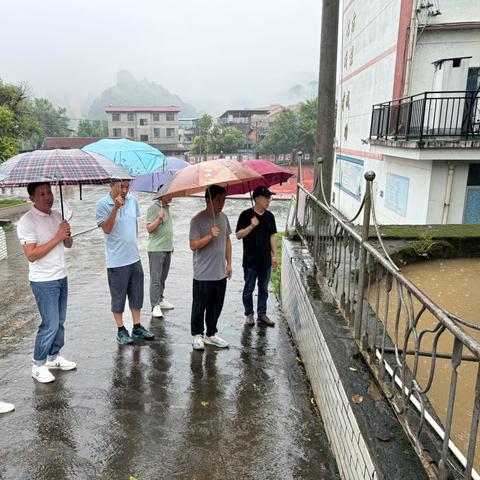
60	167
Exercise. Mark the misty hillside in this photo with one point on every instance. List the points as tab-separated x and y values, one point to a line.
129	91
299	92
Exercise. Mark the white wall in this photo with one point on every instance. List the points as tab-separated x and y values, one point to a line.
418	175
438	187
453	11
435	45
374	36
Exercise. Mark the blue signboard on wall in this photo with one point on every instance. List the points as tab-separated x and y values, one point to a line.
349	175
396	194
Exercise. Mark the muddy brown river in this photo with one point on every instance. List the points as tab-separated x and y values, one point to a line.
453	285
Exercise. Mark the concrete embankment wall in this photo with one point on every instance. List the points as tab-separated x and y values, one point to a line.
364	434
6	214
3	244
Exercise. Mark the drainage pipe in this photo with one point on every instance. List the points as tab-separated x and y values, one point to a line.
448	193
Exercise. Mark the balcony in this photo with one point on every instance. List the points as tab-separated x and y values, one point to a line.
431	119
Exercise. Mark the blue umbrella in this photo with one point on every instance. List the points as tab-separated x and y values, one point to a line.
137	158
151	182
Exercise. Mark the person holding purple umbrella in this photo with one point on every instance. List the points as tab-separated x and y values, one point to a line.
160	248
44	235
257	228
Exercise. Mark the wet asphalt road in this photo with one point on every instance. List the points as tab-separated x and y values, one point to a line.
156	410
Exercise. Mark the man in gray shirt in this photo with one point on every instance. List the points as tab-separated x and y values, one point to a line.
212	265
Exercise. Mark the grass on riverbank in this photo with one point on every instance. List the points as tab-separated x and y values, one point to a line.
276	274
10	202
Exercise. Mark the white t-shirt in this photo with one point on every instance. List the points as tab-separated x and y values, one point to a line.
38	227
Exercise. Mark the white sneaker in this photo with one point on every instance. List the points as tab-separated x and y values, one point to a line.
42	374
60	363
216	341
6	407
166	305
197	342
157	312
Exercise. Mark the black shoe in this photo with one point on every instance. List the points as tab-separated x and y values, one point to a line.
141	333
123	338
266	321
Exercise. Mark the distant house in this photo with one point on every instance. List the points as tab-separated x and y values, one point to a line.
242	120
51	143
261	124
156	125
188	130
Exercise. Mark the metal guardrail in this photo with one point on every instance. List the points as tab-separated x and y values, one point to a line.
404	335
427	116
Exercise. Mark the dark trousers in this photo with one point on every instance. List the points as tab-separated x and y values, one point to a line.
207	304
159	267
251	275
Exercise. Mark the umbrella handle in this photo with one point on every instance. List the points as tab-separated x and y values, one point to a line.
61	200
211	204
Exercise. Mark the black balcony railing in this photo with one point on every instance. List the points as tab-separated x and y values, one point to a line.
428	116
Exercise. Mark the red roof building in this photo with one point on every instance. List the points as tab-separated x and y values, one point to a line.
51	143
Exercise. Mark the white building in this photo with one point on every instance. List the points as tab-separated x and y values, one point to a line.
409	109
155	125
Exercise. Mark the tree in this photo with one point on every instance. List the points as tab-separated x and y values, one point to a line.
215	138
283	136
8	144
307	125
13	108
292	131
92	128
204	125
44	121
232	140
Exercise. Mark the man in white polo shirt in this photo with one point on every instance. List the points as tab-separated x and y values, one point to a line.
43	235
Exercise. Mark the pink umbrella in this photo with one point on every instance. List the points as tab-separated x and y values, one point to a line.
196	178
271	175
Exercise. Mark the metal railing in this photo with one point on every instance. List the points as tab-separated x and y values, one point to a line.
428	116
415	348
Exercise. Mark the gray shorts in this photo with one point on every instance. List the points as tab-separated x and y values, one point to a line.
126	281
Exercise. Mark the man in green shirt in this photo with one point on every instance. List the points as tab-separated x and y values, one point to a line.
160	248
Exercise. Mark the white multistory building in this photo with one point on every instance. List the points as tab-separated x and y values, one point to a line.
408	109
155	125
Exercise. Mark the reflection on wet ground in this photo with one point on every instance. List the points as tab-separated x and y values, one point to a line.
155	410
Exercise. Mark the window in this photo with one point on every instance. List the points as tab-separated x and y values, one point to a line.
170	117
156	132
130	117
170	132
144	138
115	117
156	117
131	132
117	132
143	121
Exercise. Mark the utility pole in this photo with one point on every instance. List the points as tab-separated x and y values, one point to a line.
325	134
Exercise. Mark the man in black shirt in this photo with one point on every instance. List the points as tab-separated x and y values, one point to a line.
256	227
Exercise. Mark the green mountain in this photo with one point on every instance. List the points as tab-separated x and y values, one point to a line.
129	92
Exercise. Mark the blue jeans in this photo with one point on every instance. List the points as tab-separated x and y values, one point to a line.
51	298
250	276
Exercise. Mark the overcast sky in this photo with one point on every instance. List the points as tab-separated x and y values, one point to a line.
210	52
